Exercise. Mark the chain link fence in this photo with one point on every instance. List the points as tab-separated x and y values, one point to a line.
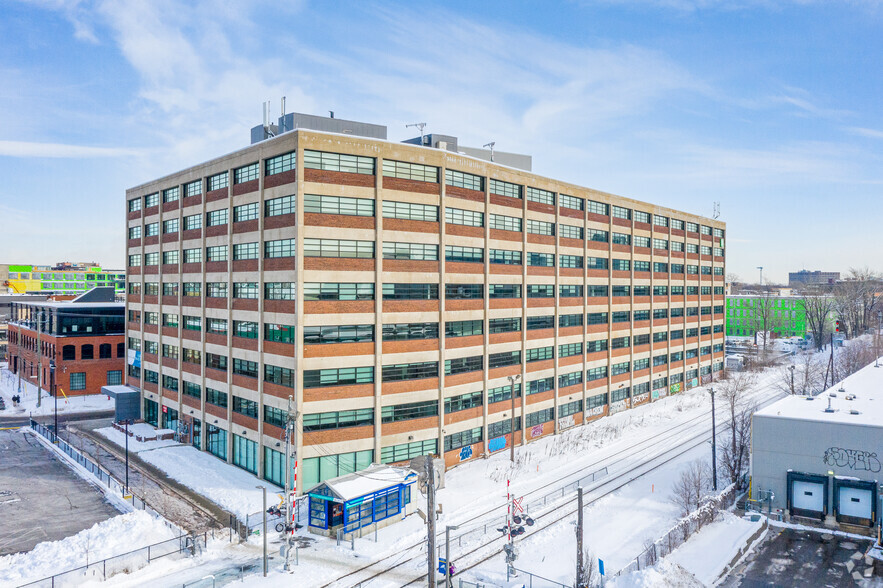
682	531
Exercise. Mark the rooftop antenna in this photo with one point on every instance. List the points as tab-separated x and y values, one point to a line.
717	210
760	267
331	113
267	127
420	126
282	116
491	147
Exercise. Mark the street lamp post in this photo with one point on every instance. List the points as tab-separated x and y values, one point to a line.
448	529
264	532
512	380
713	445
127	455
54	393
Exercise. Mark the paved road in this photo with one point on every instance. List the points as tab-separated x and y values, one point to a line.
7	422
789	557
41	498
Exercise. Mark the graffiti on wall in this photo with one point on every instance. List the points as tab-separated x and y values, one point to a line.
855	459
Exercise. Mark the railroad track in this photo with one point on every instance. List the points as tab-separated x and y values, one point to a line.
646	445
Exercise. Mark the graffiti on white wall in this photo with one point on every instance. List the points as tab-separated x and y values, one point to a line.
855	459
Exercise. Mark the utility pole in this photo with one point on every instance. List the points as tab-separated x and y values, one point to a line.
579	537
512	380
290	484
430	519
40	360
448	529
264	488
713	443
55	396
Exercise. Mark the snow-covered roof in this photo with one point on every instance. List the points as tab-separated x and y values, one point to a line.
857	400
371	479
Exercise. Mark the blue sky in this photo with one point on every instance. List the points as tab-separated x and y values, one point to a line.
772	109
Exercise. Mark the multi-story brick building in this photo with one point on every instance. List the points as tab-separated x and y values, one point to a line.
395	292
85	338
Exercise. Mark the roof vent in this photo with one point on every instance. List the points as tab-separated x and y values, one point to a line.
850	396
832	395
829	409
853	411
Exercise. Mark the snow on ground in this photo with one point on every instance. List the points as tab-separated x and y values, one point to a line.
119	438
707	553
115	536
228	486
9	386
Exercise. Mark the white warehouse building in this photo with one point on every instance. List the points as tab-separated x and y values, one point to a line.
820	457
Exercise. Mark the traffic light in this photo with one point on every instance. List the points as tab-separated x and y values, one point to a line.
837	326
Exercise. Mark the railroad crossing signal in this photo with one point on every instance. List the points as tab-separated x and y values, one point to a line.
516	504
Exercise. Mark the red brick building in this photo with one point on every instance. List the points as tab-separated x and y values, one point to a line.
84	337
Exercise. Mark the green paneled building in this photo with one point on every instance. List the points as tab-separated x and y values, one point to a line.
785	317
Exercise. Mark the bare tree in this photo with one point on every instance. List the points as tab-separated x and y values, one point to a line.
805	379
853	357
855	300
589	574
734	454
763	318
818	308
691	486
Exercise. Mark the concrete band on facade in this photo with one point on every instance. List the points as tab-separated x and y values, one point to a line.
300	269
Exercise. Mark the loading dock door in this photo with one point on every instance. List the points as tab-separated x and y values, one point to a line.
854	502
808	495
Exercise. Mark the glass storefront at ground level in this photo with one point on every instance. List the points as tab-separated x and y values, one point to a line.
216	442
245	453
151	412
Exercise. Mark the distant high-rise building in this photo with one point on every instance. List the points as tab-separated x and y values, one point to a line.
61	279
808	278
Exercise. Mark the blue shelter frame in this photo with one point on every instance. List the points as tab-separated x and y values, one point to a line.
328	511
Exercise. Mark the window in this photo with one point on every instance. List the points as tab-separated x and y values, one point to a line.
596	263
596	291
541	259
640	364
246	251
459	216
596	235
134	205
692	227
151	230
571	202
622	316
170	383
78	381
193	188
279	206
340	162
677	268
642	217
619	342
246	329
406	451
410	371
170	257
620	265
463	438
412	251
279	291
246	212
192	255
279	375
464	328
216	253
327	334
410	291
677	224
533	323
170	351
339	291
216	182
192	323
539	417
660	244
151	289
244	367
540	227
87	352
286	248
463	402
464	254
246	173
409	211
504	291
151	258
539	354
571	261
216	289
151	376
570	232
505	189
503	359
505	257
217	217
464	364
642	266
245	290
410	331
618	369
541	291
598	208
676	245
215	361
620	291
504	325
410	171
338	205
338	248
151	318
192	289
570	349
215	397
282	163
170	320
338	377
216	325
151	200
464	180
135	232
114	377
406	412
337	420
540	385
570	320
542	196
570	291
620	212
641	241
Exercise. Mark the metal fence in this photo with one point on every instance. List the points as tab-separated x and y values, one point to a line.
255	521
682	531
185	545
102	475
537	581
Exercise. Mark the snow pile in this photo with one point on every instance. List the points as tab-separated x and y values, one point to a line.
230	487
119	438
9	386
707	553
109	538
665	575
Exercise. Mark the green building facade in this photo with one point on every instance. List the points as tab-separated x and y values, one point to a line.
786	317
70	280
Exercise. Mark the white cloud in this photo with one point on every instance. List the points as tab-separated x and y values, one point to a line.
31	149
